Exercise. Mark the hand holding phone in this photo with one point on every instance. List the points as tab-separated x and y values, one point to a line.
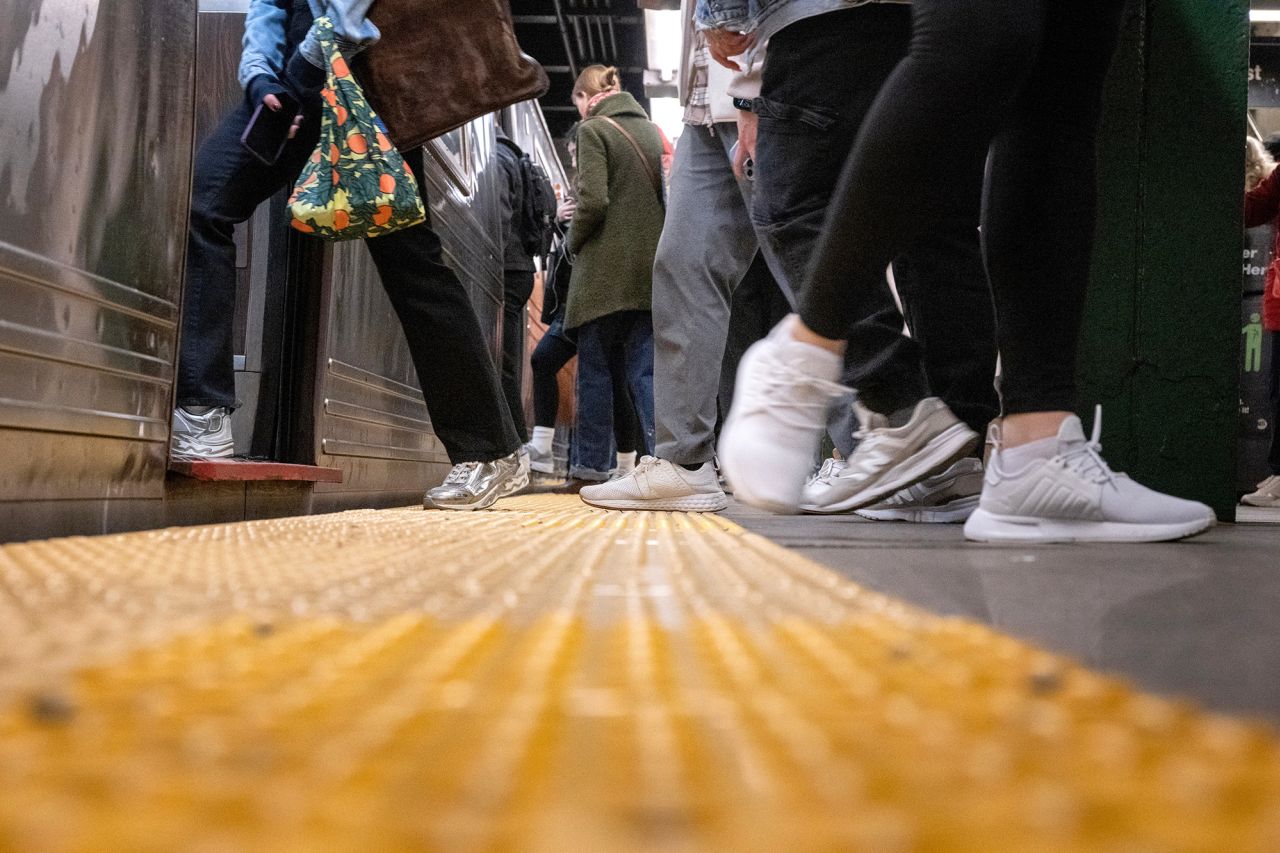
271	127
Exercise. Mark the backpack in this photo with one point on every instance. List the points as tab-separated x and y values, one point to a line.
538	208
536	212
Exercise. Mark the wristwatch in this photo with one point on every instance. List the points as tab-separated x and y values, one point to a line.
745	104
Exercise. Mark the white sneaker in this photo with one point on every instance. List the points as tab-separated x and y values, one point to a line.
1074	496
662	486
947	498
779	411
201	436
889	459
1268	493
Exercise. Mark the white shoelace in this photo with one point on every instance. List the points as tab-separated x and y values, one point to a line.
779	392
461	473
827	470
1086	459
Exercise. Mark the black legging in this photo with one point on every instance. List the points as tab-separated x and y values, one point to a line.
550	355
1020	81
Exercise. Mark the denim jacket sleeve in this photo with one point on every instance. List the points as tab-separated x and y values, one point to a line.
736	15
351	26
264	40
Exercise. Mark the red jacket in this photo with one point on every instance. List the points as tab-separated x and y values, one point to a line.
1262	205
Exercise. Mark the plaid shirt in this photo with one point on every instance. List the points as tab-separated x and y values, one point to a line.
698	111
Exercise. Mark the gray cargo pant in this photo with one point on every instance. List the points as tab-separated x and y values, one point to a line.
707	246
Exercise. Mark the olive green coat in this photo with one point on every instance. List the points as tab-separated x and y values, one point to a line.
619	217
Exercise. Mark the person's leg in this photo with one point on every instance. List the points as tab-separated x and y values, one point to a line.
1041	202
637	364
1046	482
517	287
809	121
753	312
593	433
228	185
455	369
933	120
707	246
549	357
655	484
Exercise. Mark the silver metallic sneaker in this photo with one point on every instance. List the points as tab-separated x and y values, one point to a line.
203	435
479	485
539	462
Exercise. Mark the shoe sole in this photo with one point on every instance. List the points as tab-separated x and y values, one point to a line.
543	467
984	526
689	503
177	455
940	453
516	484
955	512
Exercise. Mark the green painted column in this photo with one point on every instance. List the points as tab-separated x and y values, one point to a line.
1162	327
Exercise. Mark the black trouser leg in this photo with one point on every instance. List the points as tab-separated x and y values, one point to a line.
962	85
809	123
550	355
1041	204
757	306
456	371
228	185
517	287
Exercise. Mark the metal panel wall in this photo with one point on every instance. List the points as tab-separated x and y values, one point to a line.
370	417
95	158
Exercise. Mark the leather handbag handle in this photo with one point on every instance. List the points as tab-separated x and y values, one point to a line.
648	167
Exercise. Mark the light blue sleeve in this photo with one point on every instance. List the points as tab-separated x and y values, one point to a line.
351	26
264	40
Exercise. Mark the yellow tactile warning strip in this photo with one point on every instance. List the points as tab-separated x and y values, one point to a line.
546	677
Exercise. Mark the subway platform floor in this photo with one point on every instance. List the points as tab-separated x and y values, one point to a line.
550	677
1199	618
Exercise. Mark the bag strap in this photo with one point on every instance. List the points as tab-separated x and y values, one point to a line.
648	167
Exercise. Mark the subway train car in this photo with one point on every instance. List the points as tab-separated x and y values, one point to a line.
101	108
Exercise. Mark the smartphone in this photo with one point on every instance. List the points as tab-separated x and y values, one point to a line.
268	130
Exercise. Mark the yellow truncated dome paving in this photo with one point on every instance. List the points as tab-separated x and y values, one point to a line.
549	677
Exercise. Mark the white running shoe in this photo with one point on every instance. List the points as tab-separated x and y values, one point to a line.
1268	493
947	498
775	424
662	486
1074	496
206	435
889	459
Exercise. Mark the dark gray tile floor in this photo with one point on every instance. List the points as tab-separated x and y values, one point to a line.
1199	618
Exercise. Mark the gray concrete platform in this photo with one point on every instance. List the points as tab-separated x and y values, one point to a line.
1199	619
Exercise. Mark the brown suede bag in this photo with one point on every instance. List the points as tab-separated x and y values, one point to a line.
443	63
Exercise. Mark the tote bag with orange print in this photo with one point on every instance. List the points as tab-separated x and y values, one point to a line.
356	184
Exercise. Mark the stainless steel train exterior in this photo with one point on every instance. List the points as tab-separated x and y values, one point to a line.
102	105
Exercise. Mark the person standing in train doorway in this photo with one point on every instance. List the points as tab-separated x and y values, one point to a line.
514	191
459	383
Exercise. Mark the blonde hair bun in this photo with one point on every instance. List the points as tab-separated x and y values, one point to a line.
595	79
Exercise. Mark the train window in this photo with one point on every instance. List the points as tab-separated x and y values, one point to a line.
453	152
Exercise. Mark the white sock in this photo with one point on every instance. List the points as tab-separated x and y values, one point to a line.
627	461
542	438
1014	459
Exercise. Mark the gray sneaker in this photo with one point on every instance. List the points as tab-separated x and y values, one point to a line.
889	459
946	498
201	435
539	462
479	485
